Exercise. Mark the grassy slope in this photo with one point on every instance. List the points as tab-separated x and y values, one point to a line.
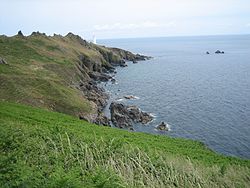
46	149
42	71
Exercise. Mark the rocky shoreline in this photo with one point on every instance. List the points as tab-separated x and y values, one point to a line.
98	73
122	116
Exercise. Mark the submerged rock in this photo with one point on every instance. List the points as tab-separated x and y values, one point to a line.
123	116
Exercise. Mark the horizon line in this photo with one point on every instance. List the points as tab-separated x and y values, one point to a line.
173	36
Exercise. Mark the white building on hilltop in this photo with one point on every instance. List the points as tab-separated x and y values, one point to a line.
94	39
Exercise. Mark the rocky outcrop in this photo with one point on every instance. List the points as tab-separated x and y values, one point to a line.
100	77
219	52
95	94
99	119
123	116
129	56
162	127
20	34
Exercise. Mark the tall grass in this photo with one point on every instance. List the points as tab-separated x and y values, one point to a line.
114	164
39	148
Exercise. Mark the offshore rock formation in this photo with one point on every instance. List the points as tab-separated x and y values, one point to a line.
163	127
123	116
219	52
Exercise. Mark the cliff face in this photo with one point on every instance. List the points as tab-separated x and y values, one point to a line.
58	73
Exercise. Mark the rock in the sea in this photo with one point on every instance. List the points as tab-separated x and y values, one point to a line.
129	97
163	127
113	80
123	116
219	52
134	61
207	53
2	61
123	65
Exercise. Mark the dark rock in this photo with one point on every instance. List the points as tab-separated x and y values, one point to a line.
102	120
20	33
2	61
219	52
95	94
146	118
125	116
129	97
162	127
134	61
37	34
131	129
113	81
207	53
102	77
123	65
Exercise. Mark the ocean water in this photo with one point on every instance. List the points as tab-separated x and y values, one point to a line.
202	97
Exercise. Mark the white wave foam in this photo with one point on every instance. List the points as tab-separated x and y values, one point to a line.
120	99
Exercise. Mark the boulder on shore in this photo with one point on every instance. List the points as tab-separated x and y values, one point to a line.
123	116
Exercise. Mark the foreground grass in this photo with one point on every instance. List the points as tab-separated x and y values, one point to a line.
46	149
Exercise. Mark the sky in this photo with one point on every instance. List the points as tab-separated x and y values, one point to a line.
125	18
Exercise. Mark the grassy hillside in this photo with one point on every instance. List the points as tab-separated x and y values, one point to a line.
45	71
40	148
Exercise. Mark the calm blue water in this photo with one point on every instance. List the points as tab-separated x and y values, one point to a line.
202	97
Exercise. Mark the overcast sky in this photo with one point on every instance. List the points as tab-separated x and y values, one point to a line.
126	18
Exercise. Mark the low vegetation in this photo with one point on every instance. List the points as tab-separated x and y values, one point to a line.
45	71
40	148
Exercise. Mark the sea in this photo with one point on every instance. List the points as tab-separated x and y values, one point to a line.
204	97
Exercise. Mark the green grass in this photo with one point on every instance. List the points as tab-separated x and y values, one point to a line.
40	148
42	72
